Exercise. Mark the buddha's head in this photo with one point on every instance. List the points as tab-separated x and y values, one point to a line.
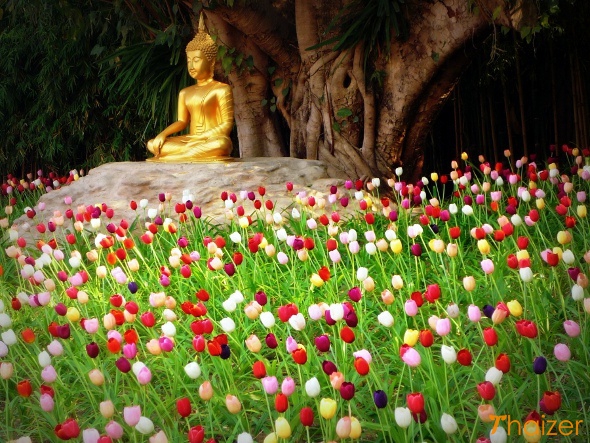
201	52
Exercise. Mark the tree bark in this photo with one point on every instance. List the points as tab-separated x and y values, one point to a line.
374	132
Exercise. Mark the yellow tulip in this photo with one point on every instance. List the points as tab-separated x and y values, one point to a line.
282	427
564	237
396	245
355	428
483	246
522	254
316	280
411	337
581	211
328	408
515	308
73	314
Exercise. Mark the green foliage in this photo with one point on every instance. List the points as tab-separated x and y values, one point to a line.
54	111
369	23
89	89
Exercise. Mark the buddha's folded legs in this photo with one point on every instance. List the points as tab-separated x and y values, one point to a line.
187	149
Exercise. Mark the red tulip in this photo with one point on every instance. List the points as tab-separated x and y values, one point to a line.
490	336
526	328
426	338
306	416
347	334
196	434
24	388
512	261
183	406
464	357
550	402
300	356
503	363
258	369
130	336
28	335
324	273
281	403
486	390
415	402
147	319
417	297
455	232
67	430
522	242
113	345
432	293
361	366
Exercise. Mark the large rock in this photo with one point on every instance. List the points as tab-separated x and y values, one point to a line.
116	184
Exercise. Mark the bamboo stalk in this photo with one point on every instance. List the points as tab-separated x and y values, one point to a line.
482	124
583	105
456	121
553	93
520	98
574	100
460	111
507	112
493	125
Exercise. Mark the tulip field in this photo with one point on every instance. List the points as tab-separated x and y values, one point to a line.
455	309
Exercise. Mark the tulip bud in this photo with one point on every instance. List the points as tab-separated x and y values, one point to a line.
96	377
233	404
206	391
107	408
328	408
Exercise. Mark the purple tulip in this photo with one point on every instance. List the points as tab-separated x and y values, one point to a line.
322	343
380	398
123	365
539	365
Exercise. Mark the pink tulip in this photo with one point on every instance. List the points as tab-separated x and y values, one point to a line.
91	325
487	266
47	403
144	376
443	326
48	374
288	386
411	308
115	430
90	435
291	344
562	352
270	384
474	313
411	357
131	415
571	328
130	351
282	258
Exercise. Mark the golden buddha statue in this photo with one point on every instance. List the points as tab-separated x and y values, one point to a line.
207	107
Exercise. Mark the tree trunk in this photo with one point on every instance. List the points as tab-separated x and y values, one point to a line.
330	107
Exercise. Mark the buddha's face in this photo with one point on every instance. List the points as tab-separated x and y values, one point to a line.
199	67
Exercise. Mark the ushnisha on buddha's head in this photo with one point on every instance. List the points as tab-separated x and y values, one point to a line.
201	52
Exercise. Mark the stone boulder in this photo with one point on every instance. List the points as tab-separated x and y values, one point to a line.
117	184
